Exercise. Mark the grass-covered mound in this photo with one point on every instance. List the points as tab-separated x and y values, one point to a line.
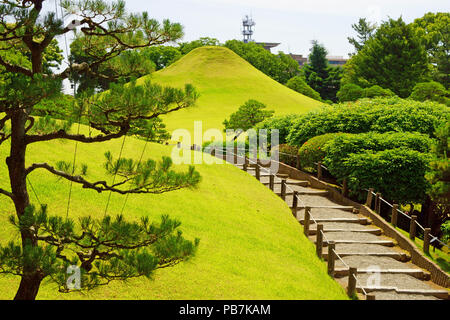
250	245
225	81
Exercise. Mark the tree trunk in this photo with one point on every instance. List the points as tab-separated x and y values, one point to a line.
29	287
31	278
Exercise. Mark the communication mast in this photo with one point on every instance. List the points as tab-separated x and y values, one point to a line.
248	24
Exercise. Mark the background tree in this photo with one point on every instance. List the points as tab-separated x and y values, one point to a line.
279	67
248	115
111	248
299	84
432	90
319	75
162	56
434	30
123	66
364	30
186	47
436	209
394	58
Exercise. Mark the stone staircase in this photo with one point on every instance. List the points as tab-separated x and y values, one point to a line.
358	243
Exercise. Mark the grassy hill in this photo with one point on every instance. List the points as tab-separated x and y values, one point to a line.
251	247
225	81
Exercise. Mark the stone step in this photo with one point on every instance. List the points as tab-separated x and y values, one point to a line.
402	257
363	221
416	273
386	243
440	294
377	232
343	208
297	183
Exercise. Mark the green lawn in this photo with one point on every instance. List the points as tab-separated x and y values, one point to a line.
251	247
225	81
439	257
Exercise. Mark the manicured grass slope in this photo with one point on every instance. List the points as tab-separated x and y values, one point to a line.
251	247
225	81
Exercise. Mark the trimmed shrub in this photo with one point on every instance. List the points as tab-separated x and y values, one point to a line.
299	84
288	154
283	124
433	91
377	91
314	150
399	174
342	146
379	115
350	92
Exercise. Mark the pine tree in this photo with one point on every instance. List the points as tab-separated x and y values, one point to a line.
110	248
364	30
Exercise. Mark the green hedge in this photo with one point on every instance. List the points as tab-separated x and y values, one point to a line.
313	151
282	123
342	146
288	154
379	114
399	174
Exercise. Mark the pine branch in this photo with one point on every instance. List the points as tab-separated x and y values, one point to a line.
6	193
102	186
62	134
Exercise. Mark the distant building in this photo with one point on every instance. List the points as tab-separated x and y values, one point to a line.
336	61
299	58
247	31
268	45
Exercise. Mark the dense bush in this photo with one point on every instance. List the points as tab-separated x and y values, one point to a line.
279	67
433	91
379	115
288	154
342	146
282	123
399	174
350	92
377	91
313	150
299	84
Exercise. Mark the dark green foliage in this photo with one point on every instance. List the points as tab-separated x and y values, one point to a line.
150	176
314	150
439	174
299	84
434	30
399	174
340	147
364	30
105	250
127	65
186	47
379	115
162	56
394	58
319	75
281	123
433	91
248	115
445	228
377	91
56	107
350	92
279	67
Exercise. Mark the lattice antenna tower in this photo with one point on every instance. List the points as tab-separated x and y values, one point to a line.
247	31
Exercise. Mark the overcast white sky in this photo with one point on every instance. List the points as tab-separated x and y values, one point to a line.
294	23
